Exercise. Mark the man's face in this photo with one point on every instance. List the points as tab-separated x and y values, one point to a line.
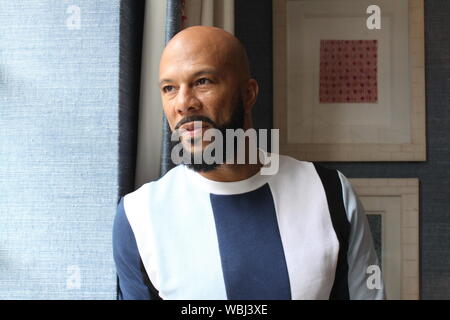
196	83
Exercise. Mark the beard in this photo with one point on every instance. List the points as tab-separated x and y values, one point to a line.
235	122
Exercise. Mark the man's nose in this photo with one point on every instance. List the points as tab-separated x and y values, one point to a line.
186	100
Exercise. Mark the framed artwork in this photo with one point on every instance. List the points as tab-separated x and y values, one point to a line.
344	92
392	208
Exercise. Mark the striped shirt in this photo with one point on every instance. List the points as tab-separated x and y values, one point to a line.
299	234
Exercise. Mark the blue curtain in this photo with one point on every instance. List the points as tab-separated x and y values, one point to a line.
66	145
173	25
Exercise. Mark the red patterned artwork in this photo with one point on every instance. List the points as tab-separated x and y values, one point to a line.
348	71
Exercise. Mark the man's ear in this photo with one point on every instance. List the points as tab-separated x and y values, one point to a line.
251	94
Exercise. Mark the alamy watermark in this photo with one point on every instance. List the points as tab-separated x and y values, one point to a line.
374	281
73	280
73	21
374	20
235	147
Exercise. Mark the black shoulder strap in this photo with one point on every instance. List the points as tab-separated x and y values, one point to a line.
154	294
333	190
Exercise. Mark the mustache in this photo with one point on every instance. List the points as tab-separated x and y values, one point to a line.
195	118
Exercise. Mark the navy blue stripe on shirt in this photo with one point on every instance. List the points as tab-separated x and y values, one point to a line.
127	259
251	252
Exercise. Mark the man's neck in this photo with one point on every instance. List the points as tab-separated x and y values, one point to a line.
232	172
235	172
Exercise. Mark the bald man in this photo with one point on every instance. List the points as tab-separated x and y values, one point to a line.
224	230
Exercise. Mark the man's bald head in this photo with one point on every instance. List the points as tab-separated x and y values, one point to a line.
216	44
204	72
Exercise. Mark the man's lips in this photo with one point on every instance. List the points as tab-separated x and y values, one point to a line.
193	128
190	126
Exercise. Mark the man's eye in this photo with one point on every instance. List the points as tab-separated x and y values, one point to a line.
167	89
203	81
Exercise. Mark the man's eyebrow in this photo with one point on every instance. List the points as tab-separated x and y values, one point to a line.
206	71
196	74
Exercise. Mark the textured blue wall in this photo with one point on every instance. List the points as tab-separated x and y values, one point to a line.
253	18
59	162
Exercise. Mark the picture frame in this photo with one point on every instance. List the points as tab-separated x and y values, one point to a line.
396	203
392	128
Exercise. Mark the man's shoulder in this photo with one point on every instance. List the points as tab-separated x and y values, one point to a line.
292	169
288	165
165	182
